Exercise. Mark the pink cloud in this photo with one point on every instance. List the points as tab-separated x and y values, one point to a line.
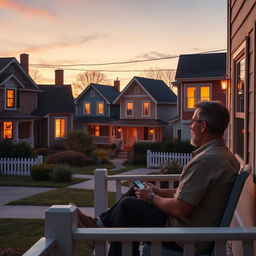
19	7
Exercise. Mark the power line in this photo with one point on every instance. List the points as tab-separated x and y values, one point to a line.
113	63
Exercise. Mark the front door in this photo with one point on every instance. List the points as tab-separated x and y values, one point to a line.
130	137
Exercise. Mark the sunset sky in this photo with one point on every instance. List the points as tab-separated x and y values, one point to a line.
104	31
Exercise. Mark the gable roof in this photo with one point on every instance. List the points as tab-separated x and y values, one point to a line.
6	62
54	99
156	89
191	66
108	92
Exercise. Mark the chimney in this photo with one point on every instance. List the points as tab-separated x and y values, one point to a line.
59	77
24	61
117	84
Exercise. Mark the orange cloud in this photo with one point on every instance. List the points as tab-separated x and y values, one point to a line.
31	11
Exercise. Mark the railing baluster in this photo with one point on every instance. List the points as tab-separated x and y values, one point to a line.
248	248
126	248
220	248
189	249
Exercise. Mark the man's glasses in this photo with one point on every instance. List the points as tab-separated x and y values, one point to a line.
193	121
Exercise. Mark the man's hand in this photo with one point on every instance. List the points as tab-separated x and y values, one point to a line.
155	189
143	193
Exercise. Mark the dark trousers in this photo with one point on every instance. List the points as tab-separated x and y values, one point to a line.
131	212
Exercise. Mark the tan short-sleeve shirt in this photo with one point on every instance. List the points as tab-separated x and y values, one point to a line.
206	182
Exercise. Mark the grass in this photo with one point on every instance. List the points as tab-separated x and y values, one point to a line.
27	181
81	197
90	169
28	232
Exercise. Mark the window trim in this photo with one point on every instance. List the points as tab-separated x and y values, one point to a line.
197	85
55	119
98	102
12	129
126	103
149	110
90	103
15	98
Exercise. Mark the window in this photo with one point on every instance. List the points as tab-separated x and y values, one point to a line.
60	127
8	130
137	90
24	130
196	93
100	108
87	108
97	130
92	93
10	98
129	109
239	128
146	108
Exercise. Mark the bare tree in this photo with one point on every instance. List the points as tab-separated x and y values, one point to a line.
167	75
35	75
85	78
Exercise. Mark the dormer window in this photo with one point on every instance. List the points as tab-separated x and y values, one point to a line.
10	98
92	93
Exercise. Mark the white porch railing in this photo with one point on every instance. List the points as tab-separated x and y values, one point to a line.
155	159
18	166
61	234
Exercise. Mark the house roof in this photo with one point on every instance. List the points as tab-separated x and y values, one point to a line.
91	119
157	89
191	66
4	62
140	122
106	91
54	99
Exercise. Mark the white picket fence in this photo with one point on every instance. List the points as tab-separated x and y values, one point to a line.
155	159
18	166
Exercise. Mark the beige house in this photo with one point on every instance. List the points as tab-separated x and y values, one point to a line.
241	100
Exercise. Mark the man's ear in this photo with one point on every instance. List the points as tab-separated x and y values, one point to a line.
203	126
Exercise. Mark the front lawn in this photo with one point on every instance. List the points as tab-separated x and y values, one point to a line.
90	169
23	233
80	197
27	181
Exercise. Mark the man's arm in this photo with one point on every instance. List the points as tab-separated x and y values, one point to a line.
163	192
170	206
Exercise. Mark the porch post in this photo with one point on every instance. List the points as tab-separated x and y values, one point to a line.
154	134
16	131
32	134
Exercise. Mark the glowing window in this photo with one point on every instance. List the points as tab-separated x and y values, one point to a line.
97	130
60	128
191	97
204	93
10	98
146	106
129	108
87	108
100	108
8	130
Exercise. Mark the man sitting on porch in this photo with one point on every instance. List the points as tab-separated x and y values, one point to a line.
200	199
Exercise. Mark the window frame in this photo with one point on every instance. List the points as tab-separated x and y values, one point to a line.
126	104
198	96
90	104
103	108
14	98
55	126
4	129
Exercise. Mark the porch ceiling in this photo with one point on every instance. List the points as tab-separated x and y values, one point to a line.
139	122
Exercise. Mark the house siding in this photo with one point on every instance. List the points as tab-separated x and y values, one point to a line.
165	112
28	102
241	24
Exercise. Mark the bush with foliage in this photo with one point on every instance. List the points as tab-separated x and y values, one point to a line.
9	149
10	252
79	141
69	157
171	167
101	155
41	151
61	173
177	146
41	171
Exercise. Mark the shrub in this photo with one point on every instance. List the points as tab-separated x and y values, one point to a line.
61	173
10	252
40	151
41	172
6	148
69	157
170	167
79	141
22	149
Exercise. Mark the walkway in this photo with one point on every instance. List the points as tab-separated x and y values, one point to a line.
8	194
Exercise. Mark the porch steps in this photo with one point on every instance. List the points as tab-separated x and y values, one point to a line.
124	154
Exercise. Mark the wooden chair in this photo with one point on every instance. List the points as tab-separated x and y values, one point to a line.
226	219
